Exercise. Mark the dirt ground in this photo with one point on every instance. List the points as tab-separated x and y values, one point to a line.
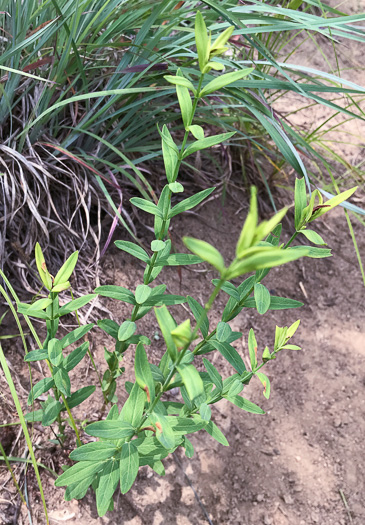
299	464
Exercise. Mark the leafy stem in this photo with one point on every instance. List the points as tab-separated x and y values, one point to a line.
182	352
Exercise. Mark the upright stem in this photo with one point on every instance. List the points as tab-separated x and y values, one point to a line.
177	168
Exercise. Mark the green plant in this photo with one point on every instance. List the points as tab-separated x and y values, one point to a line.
148	427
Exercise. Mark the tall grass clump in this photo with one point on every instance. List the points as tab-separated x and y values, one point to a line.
82	89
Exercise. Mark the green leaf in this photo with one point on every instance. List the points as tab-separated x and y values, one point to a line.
197	131
207	142
117	292
42	268
76	304
74	358
223	332
291	347
180	80
199	312
62	381
235	388
176	187
108	481
222	38
191	202
78	490
40	388
224	80
147	206
189	449
164	432
55	352
51	411
300	200
36	355
266	383
77	473
229	288
95	451
132	410
213	374
231	355
249	227
217	66
262	298
142	293
266	258
129	465
143	373
312	251
185	103
332	203
266	227
202	42
26	309
61	287
276	303
184	425
126	330
280	337
205	251
158	467
132	249
205	412
252	348
167	323
313	237
182	259
157	246
192	381
36	415
170	157
292	329
246	405
41	304
79	396
182	334
75	335
110	429
64	273
161	227
216	434
167	299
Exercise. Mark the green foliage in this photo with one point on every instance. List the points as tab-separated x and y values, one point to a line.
148	428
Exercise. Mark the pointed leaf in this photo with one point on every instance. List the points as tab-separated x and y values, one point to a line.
205	251
262	298
191	202
207	142
64	273
129	465
132	249
225	80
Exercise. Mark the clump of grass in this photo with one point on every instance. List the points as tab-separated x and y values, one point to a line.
82	86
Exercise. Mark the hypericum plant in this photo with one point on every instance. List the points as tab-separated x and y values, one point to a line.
148	427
